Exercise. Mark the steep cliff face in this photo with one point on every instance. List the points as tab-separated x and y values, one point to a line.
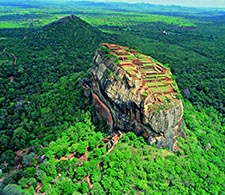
133	92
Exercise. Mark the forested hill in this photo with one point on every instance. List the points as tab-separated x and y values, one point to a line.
32	65
55	50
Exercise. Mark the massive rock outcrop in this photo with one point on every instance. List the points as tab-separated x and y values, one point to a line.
133	92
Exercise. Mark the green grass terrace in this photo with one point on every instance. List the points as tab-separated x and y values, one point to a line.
154	78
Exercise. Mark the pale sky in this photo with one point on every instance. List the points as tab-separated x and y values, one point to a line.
195	3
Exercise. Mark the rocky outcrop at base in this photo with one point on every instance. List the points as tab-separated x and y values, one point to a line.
133	92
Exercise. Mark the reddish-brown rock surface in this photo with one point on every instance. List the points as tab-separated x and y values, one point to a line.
133	92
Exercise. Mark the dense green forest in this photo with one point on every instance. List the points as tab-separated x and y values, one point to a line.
50	139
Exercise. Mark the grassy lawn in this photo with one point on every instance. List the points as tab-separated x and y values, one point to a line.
129	69
151	84
156	76
161	89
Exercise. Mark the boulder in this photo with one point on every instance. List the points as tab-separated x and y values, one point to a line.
134	92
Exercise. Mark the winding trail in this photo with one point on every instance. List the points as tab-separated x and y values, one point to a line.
12	55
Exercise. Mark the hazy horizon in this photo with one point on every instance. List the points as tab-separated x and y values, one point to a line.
189	3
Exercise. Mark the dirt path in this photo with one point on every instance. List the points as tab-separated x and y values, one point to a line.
14	58
12	55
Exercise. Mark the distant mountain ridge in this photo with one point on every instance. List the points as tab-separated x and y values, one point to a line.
131	6
142	7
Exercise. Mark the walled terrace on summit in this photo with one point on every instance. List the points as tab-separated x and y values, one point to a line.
151	78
